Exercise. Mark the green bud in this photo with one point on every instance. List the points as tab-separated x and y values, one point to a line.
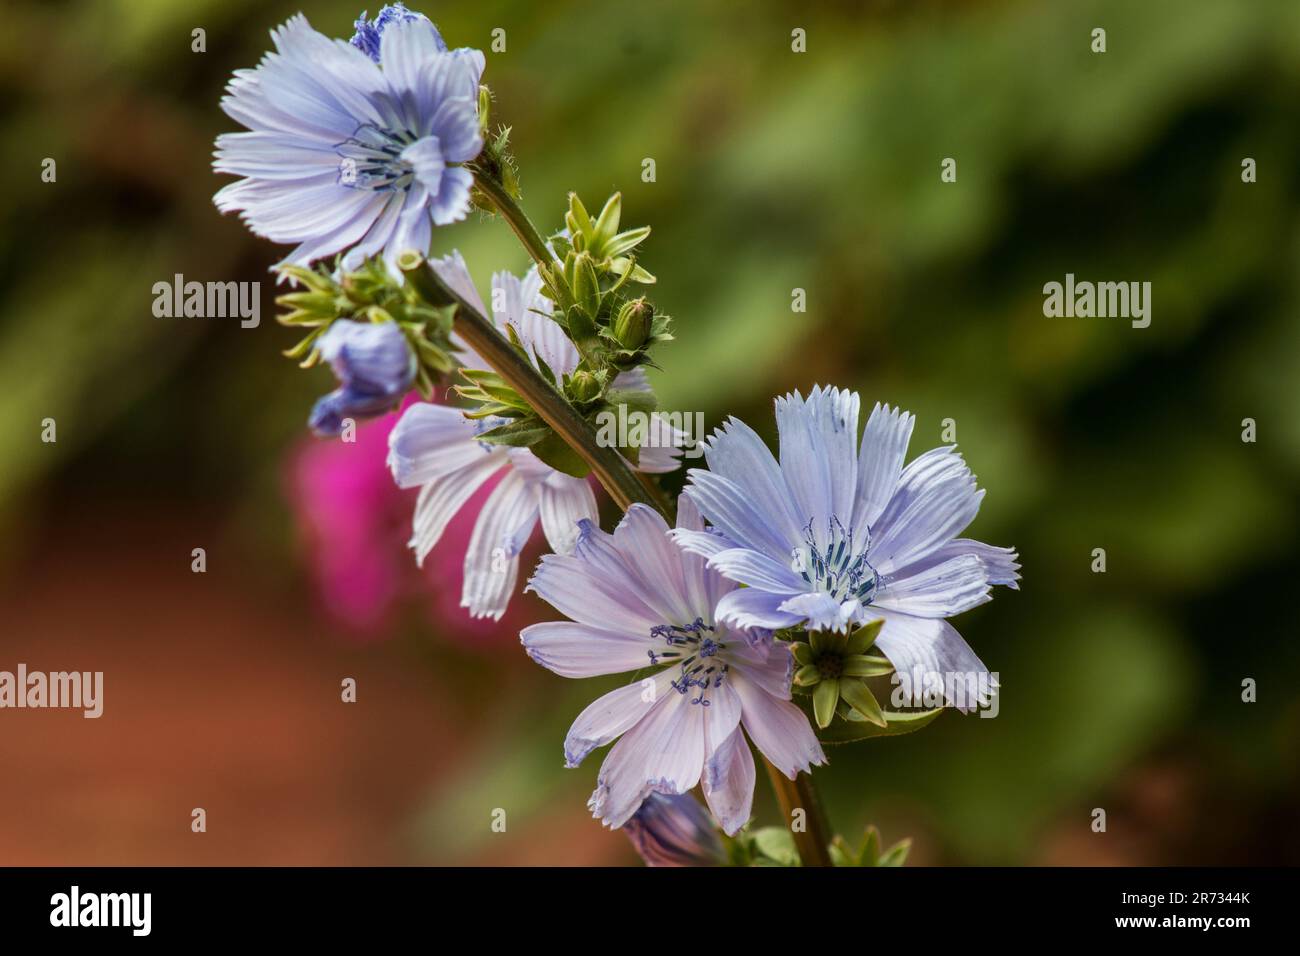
576	218
632	324
586	285
584	387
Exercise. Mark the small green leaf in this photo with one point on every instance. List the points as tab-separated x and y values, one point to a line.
802	653
520	434
777	844
862	700
556	452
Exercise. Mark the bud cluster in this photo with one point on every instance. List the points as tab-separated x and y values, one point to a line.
367	294
592	283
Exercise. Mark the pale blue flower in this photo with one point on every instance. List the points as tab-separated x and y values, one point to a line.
375	368
436	448
832	536
674	830
636	600
348	154
367	35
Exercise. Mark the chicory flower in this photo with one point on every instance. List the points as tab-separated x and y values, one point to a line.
833	536
348	153
636	600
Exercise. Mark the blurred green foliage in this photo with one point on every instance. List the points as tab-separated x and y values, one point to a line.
778	170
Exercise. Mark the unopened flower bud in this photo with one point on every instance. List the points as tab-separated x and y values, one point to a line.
584	387
632	324
674	830
375	369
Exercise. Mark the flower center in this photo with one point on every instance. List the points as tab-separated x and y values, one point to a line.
833	564
694	650
372	159
830	665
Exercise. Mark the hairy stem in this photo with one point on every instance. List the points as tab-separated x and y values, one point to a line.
514	214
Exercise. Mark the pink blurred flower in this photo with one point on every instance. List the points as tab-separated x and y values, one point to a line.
354	523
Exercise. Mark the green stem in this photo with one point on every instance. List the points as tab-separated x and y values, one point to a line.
624	485
514	214
481	334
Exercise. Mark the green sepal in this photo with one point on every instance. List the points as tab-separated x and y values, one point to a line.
576	219
808	676
825	696
864	637
857	695
864	665
626	264
626	241
606	226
